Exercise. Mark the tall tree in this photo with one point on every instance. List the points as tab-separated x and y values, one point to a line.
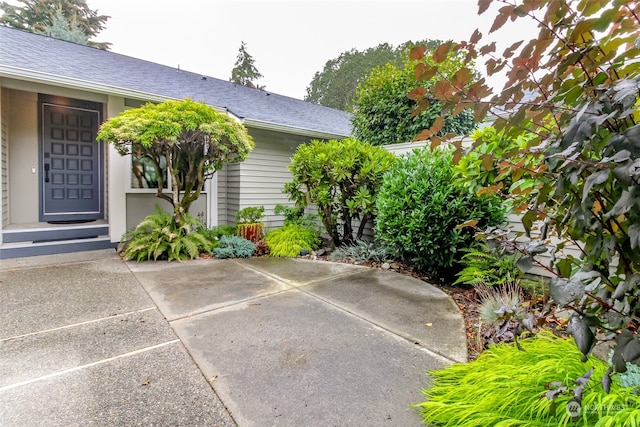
40	16
335	86
244	71
63	29
384	114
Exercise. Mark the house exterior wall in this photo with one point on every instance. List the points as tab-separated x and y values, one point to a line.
260	179
220	187
23	146
233	192
140	205
117	172
4	162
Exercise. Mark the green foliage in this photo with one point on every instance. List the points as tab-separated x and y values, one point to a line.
509	387
63	29
159	237
335	86
341	178
383	113
293	215
192	138
421	210
481	265
250	215
486	169
290	240
581	80
234	247
58	18
360	251
244	71
214	234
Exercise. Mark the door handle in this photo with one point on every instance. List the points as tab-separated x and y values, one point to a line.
46	172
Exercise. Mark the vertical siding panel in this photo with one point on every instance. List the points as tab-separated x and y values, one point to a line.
4	156
266	171
221	194
233	192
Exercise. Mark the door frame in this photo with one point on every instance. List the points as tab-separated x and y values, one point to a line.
60	101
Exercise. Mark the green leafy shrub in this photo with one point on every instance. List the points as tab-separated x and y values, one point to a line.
420	211
214	234
488	266
250	215
159	237
384	114
294	215
290	240
234	247
360	251
509	387
341	178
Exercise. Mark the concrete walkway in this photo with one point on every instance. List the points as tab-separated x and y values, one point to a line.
86	339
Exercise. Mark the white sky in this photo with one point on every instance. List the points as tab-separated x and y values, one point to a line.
289	40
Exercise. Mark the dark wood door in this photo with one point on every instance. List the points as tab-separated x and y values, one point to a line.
71	164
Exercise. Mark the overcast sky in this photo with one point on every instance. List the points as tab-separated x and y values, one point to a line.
289	40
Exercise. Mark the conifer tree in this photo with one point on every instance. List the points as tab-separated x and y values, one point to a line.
244	71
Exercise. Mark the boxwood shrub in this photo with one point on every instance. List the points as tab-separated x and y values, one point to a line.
420	206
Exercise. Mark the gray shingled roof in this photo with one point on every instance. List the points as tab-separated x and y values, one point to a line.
60	59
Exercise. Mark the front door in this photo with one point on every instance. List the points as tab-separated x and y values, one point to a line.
71	161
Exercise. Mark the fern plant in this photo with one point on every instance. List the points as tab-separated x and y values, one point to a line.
159	237
234	247
289	241
509	387
487	266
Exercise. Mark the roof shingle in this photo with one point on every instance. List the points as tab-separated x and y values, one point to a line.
41	54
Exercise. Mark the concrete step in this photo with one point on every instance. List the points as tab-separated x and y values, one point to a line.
27	249
52	233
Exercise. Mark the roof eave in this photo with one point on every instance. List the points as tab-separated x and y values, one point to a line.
276	127
73	83
79	84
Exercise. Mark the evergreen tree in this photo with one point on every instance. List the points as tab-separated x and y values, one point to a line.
57	18
63	29
244	71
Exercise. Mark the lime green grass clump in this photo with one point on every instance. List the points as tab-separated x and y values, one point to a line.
506	387
290	240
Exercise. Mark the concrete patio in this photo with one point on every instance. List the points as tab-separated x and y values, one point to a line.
87	339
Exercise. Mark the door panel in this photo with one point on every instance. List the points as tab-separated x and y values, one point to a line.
71	164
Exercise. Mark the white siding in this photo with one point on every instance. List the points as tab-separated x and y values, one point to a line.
4	155
221	194
233	192
259	180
